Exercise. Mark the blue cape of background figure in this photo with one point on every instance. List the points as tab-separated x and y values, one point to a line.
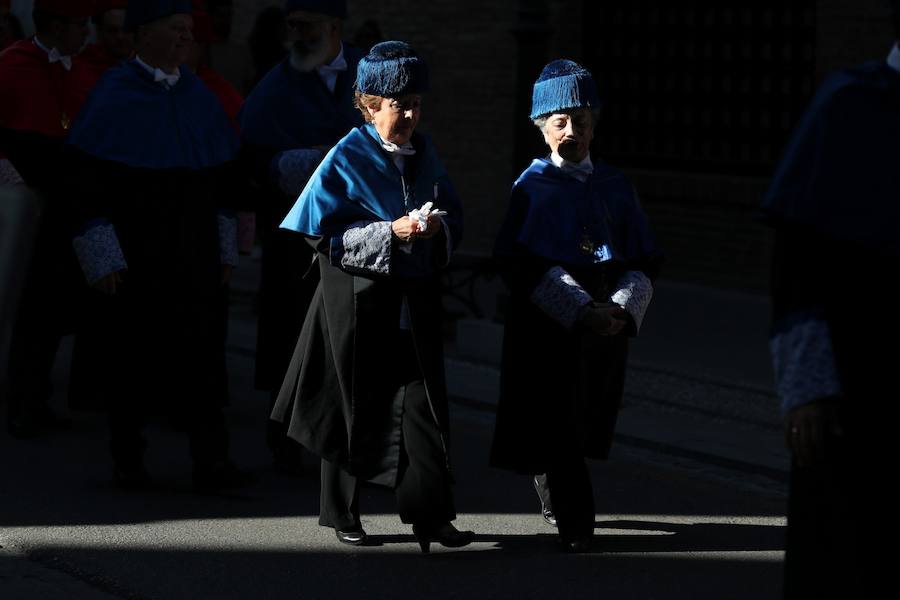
129	119
289	109
839	175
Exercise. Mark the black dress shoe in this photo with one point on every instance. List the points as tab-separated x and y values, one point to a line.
445	535
220	475
356	537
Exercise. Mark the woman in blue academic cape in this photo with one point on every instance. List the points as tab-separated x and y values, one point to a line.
365	389
578	256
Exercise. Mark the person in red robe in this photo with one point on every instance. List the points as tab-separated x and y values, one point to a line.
114	43
198	61
42	88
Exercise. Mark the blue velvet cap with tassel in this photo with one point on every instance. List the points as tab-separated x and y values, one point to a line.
140	12
390	70
332	8
563	85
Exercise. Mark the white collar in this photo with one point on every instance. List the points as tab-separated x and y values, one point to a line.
406	149
893	59
580	170
160	76
53	55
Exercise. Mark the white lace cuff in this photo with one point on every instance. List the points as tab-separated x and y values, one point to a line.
8	173
804	362
99	252
228	239
293	168
561	297
365	246
633	293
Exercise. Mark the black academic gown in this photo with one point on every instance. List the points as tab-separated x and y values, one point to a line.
834	203
335	398
155	164
560	389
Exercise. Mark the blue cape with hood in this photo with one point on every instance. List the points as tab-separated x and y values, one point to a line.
840	173
358	181
129	119
550	211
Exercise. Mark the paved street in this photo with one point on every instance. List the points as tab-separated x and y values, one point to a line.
691	504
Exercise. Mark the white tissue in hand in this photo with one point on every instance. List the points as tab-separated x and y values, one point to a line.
420	215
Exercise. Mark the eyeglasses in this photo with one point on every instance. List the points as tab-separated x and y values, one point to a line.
398	107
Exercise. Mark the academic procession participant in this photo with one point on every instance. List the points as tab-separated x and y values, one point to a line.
42	88
299	110
578	256
834	205
114	43
153	156
365	388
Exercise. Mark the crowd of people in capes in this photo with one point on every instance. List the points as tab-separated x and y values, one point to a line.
145	159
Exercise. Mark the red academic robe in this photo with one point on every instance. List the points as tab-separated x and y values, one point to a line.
229	97
39	96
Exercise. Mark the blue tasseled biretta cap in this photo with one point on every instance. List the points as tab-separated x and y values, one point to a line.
563	85
332	8
140	12
390	70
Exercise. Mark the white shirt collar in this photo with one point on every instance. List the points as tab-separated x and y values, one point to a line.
398	153
53	55
166	79
580	170
329	73
893	59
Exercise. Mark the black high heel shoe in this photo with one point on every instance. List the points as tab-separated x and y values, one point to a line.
446	535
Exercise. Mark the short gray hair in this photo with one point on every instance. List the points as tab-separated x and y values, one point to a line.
541	122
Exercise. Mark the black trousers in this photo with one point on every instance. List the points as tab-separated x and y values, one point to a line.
423	488
571	495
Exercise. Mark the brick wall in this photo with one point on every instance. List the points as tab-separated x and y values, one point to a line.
705	222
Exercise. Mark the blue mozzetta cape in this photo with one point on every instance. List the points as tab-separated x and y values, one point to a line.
358	181
129	118
289	109
549	210
840	174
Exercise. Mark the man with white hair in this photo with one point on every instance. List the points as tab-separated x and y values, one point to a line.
302	107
